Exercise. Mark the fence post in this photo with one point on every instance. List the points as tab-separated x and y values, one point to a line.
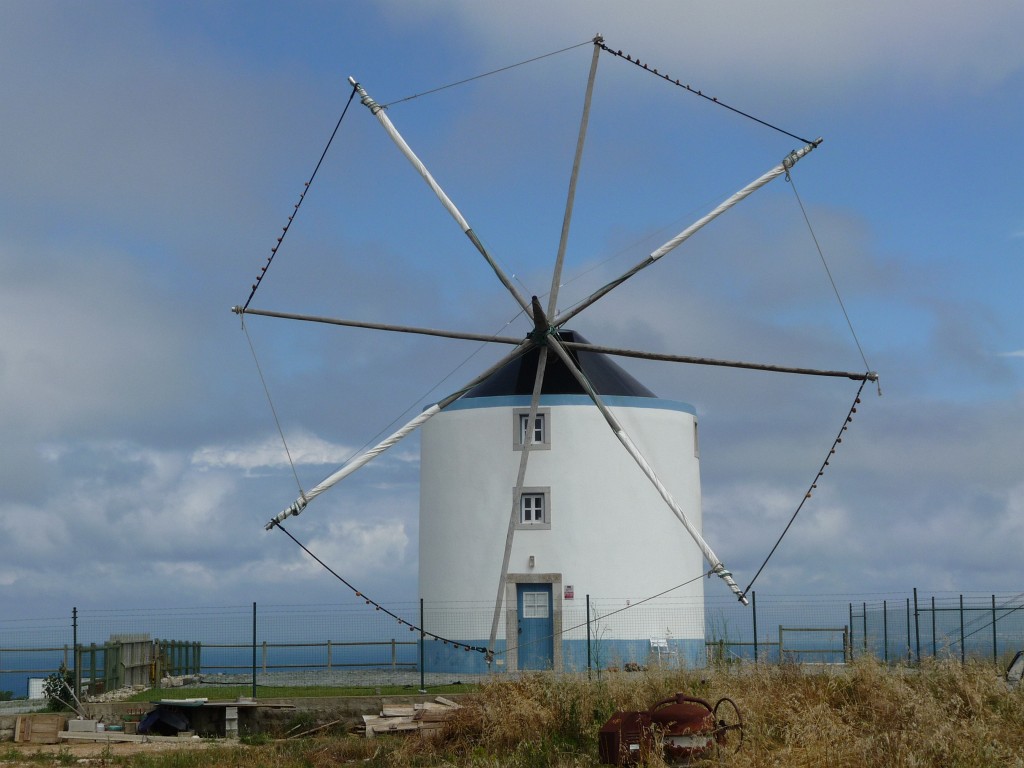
423	634
934	646
908	629
74	652
254	649
864	608
588	636
753	603
850	625
917	627
111	663
885	631
92	663
995	642
963	651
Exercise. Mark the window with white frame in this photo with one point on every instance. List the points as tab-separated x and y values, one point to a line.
537	432
534	512
532	507
535	605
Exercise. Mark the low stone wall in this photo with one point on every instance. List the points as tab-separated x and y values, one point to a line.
7	727
319	710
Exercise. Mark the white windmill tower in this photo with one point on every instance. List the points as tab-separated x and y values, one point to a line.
585	518
554	467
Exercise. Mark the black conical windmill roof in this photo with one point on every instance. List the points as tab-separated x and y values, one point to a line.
518	376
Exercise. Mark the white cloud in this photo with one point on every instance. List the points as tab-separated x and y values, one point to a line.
803	45
269	453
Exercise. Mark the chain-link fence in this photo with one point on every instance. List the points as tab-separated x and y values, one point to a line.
358	646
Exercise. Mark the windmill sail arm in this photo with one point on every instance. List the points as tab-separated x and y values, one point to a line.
380	326
716	565
691	230
396	137
868	376
360	461
411	426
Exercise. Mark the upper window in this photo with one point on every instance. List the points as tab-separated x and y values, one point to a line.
537	432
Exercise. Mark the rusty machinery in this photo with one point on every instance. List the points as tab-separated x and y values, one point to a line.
681	727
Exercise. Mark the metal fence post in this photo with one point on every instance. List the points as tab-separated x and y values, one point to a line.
885	631
864	608
963	651
588	636
917	628
851	631
254	649
908	629
74	652
934	646
753	603
995	641
423	686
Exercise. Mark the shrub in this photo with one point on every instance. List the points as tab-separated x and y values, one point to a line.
55	689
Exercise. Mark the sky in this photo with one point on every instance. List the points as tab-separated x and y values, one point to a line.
152	152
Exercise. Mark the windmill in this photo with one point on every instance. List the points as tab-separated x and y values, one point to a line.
551	361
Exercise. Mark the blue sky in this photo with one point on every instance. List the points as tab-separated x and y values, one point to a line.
151	153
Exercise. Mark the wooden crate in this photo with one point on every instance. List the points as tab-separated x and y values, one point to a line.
38	729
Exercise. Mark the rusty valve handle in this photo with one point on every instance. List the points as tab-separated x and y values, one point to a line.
722	727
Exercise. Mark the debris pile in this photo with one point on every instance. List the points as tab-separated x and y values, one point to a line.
428	716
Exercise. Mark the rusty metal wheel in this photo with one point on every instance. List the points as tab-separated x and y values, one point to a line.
728	722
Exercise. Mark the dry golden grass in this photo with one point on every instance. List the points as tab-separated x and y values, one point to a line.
865	714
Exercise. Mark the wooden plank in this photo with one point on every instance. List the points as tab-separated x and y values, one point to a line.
448	702
116	736
398	711
38	729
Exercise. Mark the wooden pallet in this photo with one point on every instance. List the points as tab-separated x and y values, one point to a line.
427	716
38	729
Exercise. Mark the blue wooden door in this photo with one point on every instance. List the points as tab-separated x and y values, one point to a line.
536	626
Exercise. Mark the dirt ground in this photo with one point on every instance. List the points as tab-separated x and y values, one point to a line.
84	753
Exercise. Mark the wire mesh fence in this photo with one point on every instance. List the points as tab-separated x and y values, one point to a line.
416	645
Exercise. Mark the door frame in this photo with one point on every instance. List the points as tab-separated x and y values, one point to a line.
512	616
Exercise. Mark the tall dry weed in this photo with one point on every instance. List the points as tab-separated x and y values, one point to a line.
862	714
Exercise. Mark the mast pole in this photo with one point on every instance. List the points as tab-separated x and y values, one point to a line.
541	329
